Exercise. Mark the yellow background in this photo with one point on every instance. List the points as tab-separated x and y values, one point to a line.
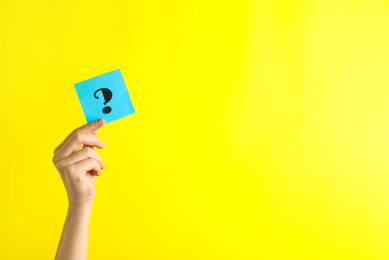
261	128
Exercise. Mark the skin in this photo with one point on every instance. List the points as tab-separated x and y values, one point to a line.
78	169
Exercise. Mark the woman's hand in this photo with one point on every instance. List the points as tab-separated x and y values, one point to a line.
79	168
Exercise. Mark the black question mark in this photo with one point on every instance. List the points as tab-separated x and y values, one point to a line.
107	94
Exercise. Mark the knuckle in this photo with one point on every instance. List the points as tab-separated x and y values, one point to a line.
88	151
68	169
77	137
55	159
60	165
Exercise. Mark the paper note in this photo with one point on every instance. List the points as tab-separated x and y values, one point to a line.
105	96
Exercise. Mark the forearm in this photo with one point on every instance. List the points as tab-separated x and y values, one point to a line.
78	164
74	239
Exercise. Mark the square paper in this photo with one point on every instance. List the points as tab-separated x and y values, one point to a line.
105	96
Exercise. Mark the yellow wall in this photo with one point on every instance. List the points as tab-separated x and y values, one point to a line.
260	132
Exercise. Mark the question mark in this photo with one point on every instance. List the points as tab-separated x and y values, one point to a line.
107	94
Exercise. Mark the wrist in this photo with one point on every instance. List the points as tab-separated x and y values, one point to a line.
79	214
80	206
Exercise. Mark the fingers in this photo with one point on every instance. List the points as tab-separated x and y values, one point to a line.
84	153
87	165
76	142
91	127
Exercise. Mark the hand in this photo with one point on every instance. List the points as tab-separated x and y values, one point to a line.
79	168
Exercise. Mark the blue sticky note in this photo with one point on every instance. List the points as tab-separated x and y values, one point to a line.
105	96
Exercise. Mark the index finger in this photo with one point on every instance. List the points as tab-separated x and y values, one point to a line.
90	127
